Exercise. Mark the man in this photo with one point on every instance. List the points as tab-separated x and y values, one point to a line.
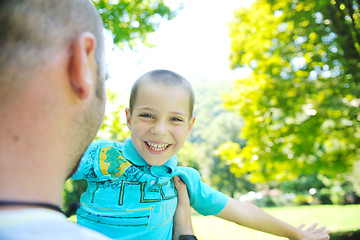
52	100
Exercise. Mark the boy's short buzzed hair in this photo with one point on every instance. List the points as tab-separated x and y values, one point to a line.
165	77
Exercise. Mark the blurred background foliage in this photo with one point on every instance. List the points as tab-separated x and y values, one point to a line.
131	21
289	133
301	102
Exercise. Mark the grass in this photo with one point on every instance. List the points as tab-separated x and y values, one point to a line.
335	217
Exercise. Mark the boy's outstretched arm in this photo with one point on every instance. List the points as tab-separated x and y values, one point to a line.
249	215
182	219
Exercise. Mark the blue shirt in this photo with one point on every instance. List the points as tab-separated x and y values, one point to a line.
128	199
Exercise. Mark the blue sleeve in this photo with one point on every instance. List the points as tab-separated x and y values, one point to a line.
203	198
87	161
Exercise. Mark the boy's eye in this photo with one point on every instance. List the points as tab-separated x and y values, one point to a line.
176	119
146	115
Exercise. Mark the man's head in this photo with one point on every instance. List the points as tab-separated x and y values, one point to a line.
32	30
52	68
160	115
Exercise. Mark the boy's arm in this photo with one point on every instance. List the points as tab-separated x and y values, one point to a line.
182	219
249	215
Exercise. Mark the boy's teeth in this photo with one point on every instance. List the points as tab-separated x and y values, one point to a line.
157	147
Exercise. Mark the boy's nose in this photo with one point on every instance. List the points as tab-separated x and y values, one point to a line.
159	128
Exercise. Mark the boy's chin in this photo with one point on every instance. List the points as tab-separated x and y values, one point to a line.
155	162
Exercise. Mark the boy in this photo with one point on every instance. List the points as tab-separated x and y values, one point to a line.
130	191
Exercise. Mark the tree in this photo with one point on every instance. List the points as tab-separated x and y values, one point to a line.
131	21
213	126
225	127
301	103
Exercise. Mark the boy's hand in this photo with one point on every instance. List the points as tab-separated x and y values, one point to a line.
182	218
313	233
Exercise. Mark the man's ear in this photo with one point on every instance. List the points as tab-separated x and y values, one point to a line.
128	118
81	62
191	124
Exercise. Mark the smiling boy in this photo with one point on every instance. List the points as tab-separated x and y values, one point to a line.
160	116
131	192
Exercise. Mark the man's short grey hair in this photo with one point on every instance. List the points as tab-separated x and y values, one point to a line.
30	30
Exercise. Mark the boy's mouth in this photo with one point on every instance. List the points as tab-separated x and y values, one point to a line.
157	147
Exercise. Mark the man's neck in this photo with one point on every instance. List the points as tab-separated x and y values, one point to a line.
26	175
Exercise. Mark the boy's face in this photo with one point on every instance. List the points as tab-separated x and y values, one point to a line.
160	121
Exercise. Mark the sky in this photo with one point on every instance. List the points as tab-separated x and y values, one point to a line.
195	44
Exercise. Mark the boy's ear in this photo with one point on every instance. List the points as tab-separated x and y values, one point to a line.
81	62
128	117
191	124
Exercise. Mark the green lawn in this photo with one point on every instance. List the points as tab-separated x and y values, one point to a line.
337	218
